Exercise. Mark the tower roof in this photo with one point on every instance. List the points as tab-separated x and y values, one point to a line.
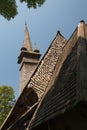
27	42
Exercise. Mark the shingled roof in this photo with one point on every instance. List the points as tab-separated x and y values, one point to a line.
69	80
58	83
37	85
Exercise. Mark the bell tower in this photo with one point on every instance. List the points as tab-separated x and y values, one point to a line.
28	60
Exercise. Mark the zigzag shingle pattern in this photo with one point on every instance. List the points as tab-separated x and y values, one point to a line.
54	98
45	70
61	95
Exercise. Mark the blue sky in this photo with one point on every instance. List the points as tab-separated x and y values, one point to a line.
43	23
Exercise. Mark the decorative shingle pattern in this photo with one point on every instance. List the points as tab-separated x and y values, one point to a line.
56	81
62	95
46	68
40	78
65	92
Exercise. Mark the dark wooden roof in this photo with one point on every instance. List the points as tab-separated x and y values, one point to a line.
69	85
38	83
61	95
41	78
55	83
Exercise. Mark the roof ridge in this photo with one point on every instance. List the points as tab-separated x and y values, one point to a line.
56	56
63	57
57	69
49	59
47	65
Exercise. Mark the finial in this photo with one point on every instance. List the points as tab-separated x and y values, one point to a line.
35	48
81	30
25	23
58	32
82	21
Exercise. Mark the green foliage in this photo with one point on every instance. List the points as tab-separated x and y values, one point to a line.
8	8
7	100
33	3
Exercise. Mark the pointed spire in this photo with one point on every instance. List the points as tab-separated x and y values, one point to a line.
27	42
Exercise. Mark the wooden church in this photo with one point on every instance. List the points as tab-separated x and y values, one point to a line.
53	90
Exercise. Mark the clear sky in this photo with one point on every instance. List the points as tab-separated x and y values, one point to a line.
43	23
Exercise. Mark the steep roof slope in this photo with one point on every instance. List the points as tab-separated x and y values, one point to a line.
37	85
27	42
40	80
69	80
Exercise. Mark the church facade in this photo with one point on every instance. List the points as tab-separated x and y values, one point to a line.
53	90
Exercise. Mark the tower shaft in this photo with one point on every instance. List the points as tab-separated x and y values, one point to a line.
28	60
